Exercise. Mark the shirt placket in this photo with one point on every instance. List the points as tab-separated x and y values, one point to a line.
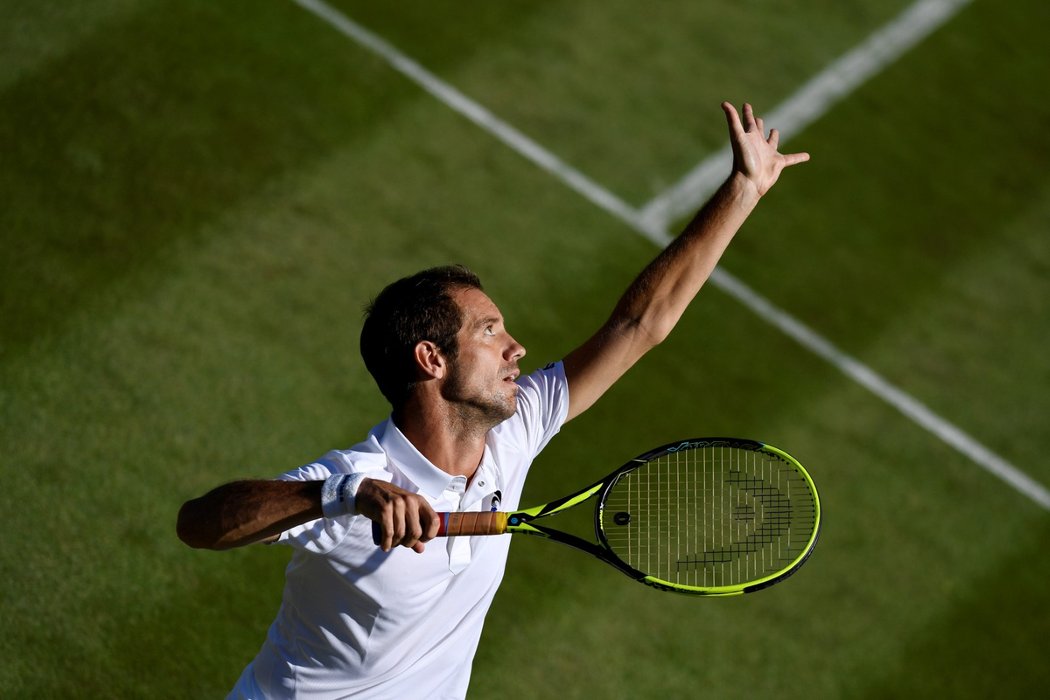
458	547
480	493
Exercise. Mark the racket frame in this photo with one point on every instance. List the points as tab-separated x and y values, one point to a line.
524	521
712	591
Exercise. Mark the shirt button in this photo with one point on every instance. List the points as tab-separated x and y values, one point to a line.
481	483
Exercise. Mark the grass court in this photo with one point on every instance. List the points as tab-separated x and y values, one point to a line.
199	198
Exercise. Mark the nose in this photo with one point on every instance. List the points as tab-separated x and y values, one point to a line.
515	351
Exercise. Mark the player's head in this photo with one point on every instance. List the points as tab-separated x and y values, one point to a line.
408	311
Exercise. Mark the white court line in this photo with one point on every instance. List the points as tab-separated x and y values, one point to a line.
808	103
482	117
600	196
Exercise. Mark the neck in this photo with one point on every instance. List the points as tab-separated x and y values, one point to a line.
453	443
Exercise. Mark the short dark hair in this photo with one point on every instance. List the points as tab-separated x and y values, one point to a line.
406	312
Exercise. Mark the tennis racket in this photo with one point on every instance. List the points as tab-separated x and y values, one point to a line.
707	516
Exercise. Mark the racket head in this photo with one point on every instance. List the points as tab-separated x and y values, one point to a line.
709	516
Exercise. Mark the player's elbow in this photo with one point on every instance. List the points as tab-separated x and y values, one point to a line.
645	332
656	332
189	526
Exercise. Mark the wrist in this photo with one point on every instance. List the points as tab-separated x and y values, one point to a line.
743	190
339	494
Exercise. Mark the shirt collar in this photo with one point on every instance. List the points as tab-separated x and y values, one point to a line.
410	461
431	480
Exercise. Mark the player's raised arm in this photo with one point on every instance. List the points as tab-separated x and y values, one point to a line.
658	297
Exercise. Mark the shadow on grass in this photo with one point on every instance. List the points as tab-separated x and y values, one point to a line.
992	643
161	122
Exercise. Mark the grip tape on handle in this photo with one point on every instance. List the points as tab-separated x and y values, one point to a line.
472	523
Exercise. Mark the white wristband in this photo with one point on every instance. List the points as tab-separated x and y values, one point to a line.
339	493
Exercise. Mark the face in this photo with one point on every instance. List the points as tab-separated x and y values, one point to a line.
481	378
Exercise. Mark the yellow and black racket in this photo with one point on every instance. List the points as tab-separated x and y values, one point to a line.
707	516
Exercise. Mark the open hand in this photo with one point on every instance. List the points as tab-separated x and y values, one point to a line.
755	156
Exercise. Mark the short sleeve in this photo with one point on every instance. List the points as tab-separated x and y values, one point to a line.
543	404
322	535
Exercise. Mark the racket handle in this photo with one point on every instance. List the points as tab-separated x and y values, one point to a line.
472	523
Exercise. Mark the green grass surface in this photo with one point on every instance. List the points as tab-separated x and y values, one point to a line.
199	198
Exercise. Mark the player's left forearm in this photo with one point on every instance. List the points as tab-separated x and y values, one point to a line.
658	297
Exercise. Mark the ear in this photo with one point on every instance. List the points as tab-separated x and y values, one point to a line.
429	360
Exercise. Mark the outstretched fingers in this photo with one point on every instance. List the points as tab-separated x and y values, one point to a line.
756	155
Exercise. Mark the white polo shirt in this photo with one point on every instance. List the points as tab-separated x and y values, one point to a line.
357	621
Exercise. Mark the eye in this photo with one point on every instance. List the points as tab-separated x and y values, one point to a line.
489	330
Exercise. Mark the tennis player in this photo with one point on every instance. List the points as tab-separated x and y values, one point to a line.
403	619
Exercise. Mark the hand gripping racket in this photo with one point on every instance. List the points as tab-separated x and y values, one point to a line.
707	516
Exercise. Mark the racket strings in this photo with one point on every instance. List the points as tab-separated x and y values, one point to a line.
708	516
